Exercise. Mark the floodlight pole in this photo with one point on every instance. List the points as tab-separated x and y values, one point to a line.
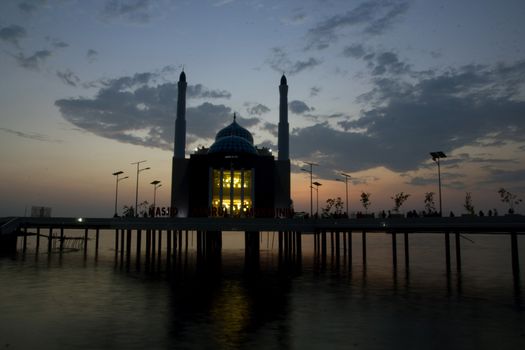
137	186
436	156
317	184
116	188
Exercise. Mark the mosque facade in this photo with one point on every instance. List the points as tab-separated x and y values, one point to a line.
232	177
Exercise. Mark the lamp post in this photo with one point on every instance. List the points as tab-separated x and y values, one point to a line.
116	188
310	171
156	184
137	187
436	156
317	184
346	186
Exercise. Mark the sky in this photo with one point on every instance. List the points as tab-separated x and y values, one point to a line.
89	87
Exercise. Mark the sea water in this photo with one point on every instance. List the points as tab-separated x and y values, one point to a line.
73	300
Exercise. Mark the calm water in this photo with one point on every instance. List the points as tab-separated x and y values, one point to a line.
70	301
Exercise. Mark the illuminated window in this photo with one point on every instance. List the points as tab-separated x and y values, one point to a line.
231	192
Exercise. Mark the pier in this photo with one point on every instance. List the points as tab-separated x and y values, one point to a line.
332	238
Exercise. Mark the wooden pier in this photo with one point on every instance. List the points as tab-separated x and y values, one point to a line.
175	232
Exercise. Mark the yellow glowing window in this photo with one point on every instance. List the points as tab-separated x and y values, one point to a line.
231	191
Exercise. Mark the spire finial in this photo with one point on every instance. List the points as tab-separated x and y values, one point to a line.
234	116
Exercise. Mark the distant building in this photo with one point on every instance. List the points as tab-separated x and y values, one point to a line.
232	177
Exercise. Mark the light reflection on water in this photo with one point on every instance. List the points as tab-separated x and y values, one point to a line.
68	301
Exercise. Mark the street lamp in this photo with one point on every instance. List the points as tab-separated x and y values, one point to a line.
156	184
346	185
137	187
311	187
317	184
116	188
436	156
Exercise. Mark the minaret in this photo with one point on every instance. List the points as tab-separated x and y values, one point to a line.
179	171
283	142
180	122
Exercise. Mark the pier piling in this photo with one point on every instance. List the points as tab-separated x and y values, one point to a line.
458	252
447	251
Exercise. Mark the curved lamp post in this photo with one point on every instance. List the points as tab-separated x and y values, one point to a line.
310	171
137	187
346	176
156	184
116	188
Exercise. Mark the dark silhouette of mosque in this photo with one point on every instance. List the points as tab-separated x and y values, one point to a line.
232	177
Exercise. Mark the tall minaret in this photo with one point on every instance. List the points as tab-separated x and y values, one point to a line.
179	171
283	143
180	122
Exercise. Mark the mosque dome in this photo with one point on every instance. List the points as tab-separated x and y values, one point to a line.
235	129
232	144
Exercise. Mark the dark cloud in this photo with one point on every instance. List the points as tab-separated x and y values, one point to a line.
31	6
91	55
31	135
34	61
355	51
499	176
60	44
199	91
379	63
298	107
407	120
271	128
280	62
138	110
132	10
68	77
314	91
12	34
257	109
371	17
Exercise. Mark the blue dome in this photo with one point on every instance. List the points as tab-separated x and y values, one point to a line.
232	144
235	129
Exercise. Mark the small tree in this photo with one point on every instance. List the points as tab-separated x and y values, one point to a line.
430	205
334	207
143	209
399	199
509	198
469	207
128	212
365	200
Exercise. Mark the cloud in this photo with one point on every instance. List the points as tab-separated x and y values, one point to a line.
34	61
12	34
407	119
257	109
60	44
298	107
199	91
138	110
314	91
372	17
354	50
511	177
68	77
280	62
91	55
379	63
271	128
31	6
133	10
31	135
